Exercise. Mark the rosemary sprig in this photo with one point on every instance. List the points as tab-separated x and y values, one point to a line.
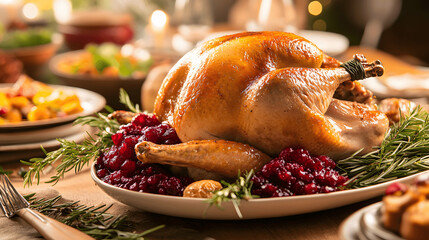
94	221
403	152
125	99
71	154
234	192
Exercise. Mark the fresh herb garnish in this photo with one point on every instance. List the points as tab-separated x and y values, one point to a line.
234	192
76	155
71	154
403	152
94	221
125	99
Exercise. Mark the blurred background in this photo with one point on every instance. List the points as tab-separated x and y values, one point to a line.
133	43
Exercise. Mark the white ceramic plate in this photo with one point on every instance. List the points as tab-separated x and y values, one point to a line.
330	43
30	150
252	209
48	143
91	102
403	86
38	135
366	223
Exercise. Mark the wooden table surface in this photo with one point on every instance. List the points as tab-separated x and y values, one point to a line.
318	225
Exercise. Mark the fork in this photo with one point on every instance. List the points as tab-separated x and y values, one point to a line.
12	202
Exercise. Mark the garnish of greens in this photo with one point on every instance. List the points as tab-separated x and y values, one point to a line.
234	192
106	55
74	155
26	38
403	152
94	221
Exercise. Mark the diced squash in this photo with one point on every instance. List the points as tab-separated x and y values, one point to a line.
19	102
14	115
40	97
36	101
4	101
71	107
39	112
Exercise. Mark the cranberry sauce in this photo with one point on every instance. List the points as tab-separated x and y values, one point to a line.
295	172
119	166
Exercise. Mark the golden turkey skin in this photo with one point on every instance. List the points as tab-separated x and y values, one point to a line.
269	90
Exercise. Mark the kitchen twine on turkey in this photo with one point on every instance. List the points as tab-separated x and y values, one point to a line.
355	68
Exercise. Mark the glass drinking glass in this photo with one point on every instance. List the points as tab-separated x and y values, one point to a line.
273	15
194	21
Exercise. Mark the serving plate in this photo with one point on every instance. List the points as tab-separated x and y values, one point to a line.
29	150
91	102
400	86
366	224
255	208
38	135
331	43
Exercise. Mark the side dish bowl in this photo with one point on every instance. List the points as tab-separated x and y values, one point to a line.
107	86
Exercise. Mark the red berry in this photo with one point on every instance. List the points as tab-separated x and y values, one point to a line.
296	172
117	138
115	163
396	189
101	173
128	167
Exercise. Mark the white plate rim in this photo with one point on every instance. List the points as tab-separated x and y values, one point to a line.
75	137
294	204
352	224
332	44
86	96
344	230
38	135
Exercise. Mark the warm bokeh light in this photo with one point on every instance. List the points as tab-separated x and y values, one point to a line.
30	11
158	20
7	1
127	50
315	8
62	10
319	25
264	11
141	54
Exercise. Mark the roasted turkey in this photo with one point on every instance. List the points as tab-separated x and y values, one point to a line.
269	90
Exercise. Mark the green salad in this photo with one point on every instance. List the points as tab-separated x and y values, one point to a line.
26	38
107	60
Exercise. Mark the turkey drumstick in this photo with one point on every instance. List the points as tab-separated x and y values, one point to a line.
216	156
